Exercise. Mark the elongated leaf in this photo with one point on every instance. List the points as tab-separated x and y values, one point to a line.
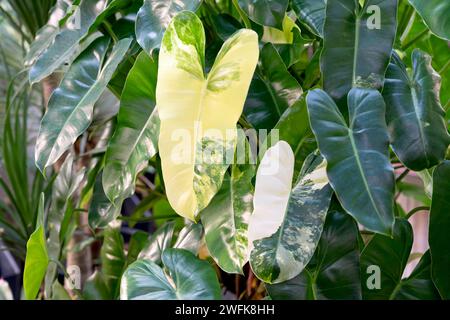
414	114
358	164
200	111
357	44
113	259
190	279
438	235
70	107
272	91
136	136
435	14
333	272
101	210
37	259
311	13
65	43
226	218
391	255
286	223
154	17
265	12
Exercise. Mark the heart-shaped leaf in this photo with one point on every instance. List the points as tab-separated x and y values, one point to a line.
201	111
135	138
333	272
154	17
71	105
357	44
359	152
287	222
189	279
414	114
435	14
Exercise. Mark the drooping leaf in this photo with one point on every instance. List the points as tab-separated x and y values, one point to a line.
435	14
201	112
37	259
438	235
65	43
101	210
333	272
358	156
357	44
414	114
160	240
70	107
265	12
287	222
311	13
226	218
135	138
272	91
154	17
113	259
190	279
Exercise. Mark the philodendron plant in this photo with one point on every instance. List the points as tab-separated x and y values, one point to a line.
269	140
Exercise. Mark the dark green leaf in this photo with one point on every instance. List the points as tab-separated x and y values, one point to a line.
438	235
135	246
95	288
190	279
414	115
113	259
435	13
265	12
354	55
190	238
160	240
311	13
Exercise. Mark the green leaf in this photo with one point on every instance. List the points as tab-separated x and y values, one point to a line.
190	238
160	240
311	13
154	17
354	55
272	90
265	12
135	246
199	114
390	256
70	108
95	288
438	236
101	210
37	259
435	14
135	139
419	286
189	279
287	222
113	258
333	272
414	115
226	218
66	42
358	156
58	292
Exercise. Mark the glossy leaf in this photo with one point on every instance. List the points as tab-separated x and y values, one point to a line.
265	12
414	114
356	50
70	107
37	259
136	135
359	153
190	238
113	259
226	218
154	17
160	240
272	91
435	14
438	235
66	42
200	111
311	13
333	272
101	210
287	222
189	279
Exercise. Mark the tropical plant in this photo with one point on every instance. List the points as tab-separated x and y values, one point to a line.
263	146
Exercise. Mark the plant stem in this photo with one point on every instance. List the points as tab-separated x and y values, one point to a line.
403	175
110	31
417	38
242	14
413	211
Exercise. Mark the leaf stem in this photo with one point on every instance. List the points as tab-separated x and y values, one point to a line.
242	14
110	31
413	211
417	38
